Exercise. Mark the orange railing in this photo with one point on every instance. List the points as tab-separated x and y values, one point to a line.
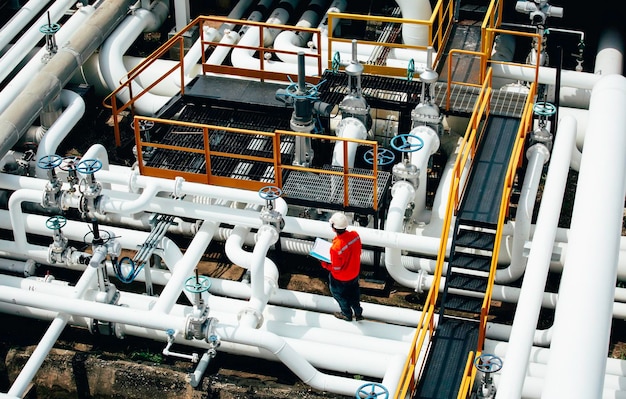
202	155
467	149
130	87
438	27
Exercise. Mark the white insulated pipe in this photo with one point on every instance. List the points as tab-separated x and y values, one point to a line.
184	268
414	34
52	138
537	156
583	321
19	20
22	381
348	128
536	274
420	159
26	73
111	55
610	56
31	37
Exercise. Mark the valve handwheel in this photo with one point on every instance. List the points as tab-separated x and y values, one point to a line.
270	192
49	161
488	363
336	61
544	108
410	70
372	390
89	166
56	222
145	125
197	285
402	143
68	163
384	157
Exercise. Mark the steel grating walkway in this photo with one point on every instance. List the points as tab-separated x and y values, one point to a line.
310	189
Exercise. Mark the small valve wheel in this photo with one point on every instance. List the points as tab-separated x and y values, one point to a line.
488	363
410	70
270	193
384	157
372	390
89	166
197	284
49	29
544	108
144	125
336	61
68	164
48	162
402	143
56	222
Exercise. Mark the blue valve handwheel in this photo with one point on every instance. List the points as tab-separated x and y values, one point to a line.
49	161
56	222
544	108
89	166
402	143
198	285
270	192
488	363
384	157
372	390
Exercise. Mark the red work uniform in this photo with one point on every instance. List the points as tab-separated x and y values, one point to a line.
345	256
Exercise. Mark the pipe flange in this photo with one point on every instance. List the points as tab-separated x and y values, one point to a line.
251	312
133	187
402	184
268	229
178	186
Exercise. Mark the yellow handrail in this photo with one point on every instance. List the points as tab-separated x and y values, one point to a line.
514	163
439	27
467	149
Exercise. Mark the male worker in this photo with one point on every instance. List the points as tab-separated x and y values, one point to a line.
344	268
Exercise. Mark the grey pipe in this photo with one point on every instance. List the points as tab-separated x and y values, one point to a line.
48	83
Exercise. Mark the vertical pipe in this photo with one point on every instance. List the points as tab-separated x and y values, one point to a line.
583	321
20	385
529	303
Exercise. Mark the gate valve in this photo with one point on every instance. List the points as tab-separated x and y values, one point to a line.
53	187
487	364
268	214
88	186
59	244
69	165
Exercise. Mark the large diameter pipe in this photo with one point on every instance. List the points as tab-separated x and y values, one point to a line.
583	321
538	265
49	82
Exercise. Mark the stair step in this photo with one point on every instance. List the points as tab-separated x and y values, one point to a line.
475	239
470	261
462	303
466	282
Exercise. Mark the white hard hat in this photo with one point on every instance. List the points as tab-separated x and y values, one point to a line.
338	221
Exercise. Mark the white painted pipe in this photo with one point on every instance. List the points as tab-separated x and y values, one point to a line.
537	156
25	268
74	111
610	56
402	192
348	128
19	20
533	285
413	34
22	381
112	51
420	159
31	37
26	73
594	240
259	339
184	268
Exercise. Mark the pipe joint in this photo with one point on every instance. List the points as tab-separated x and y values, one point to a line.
250	313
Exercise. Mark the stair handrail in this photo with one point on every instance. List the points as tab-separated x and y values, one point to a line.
514	163
426	324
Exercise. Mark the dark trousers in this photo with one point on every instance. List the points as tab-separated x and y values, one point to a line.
347	294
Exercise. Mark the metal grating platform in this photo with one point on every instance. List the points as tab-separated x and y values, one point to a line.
221	141
311	189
